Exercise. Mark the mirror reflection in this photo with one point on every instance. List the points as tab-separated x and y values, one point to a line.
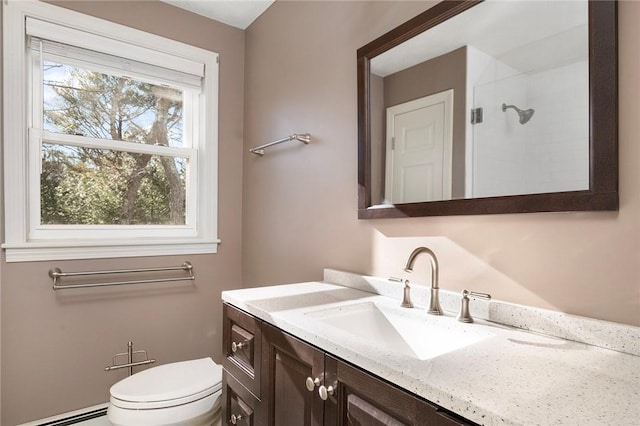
492	102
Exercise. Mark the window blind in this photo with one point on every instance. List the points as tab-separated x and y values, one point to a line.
90	51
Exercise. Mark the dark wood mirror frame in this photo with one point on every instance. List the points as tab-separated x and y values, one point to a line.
603	118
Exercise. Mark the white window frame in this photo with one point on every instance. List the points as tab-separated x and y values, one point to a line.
25	238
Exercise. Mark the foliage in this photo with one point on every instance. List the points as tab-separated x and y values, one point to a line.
101	186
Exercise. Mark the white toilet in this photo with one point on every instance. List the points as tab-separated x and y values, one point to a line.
185	393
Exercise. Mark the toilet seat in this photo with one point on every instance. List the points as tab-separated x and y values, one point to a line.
168	385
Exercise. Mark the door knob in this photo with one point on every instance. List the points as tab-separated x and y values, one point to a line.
325	391
235	346
312	383
234	419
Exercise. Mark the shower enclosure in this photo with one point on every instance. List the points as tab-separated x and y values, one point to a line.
534	134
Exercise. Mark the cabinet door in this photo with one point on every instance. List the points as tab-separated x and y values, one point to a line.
287	364
363	399
242	343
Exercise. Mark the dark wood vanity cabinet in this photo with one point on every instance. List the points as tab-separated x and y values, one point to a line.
288	363
362	399
242	379
242	343
301	385
240	407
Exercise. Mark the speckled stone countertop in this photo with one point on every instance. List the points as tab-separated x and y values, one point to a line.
509	377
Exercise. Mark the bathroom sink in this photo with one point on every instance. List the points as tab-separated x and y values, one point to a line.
408	331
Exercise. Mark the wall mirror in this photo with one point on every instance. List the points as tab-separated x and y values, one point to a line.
481	107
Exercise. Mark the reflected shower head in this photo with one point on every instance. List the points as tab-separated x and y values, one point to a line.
525	115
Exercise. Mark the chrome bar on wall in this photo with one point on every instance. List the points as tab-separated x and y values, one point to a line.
56	274
130	362
305	138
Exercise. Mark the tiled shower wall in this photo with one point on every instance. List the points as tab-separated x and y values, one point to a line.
557	137
554	142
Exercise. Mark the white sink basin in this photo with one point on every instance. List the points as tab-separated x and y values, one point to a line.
408	331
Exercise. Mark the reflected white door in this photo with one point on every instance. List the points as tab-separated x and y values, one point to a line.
419	146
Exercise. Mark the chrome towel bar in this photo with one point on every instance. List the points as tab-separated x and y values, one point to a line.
56	274
305	138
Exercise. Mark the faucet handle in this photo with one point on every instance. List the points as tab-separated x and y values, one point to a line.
465	315
406	298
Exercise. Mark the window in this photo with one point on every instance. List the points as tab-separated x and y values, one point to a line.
110	139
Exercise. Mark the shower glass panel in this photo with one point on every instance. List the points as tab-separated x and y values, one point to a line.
534	135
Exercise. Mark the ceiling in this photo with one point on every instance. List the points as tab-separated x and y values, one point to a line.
237	13
526	35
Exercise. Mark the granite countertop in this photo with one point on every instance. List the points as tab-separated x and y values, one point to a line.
508	377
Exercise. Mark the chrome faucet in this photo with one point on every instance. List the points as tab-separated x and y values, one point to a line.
434	304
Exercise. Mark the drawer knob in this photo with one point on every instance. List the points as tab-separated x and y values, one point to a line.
311	383
235	346
234	419
325	392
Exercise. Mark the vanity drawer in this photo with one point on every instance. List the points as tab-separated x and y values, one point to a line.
241	408
242	342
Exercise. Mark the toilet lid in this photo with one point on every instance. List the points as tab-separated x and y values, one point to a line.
163	385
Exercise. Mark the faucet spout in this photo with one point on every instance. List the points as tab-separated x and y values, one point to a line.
434	304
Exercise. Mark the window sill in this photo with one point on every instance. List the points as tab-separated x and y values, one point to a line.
33	252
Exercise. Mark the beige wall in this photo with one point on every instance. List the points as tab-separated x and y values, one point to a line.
300	201
55	345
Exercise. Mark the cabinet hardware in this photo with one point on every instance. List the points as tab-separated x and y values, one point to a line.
234	419
312	383
324	392
235	346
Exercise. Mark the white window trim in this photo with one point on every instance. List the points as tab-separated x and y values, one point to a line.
21	244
